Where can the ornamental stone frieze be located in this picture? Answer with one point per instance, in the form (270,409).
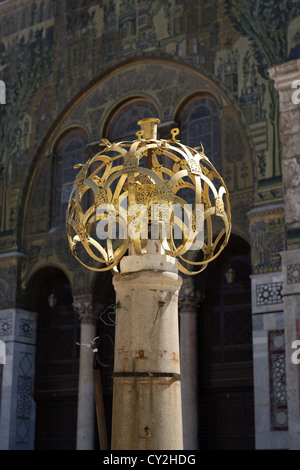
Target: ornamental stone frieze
(189,297)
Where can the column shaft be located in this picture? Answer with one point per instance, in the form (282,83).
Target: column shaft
(86,399)
(188,305)
(147,388)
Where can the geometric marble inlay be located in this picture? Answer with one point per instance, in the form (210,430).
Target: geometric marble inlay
(24,397)
(23,428)
(268,294)
(277,381)
(25,364)
(26,328)
(5,327)
(293,273)
(24,390)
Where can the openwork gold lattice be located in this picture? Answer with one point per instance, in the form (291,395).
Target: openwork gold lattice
(173,187)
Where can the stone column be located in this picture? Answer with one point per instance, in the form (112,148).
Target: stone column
(86,401)
(188,308)
(147,389)
(286,77)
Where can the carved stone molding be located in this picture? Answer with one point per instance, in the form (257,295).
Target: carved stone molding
(189,297)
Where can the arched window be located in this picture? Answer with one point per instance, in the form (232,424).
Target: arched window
(72,149)
(123,124)
(199,122)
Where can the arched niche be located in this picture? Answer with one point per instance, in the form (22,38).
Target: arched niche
(41,283)
(169,86)
(51,183)
(121,124)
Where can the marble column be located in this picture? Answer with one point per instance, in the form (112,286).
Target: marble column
(286,77)
(86,401)
(188,314)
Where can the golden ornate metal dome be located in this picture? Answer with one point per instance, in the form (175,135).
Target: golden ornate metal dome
(130,192)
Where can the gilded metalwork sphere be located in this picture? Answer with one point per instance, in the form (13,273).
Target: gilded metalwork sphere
(174,187)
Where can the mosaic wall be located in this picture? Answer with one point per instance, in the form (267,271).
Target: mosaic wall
(51,51)
(267,238)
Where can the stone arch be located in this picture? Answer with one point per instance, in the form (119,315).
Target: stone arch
(191,96)
(168,84)
(123,106)
(199,122)
(70,150)
(39,196)
(33,283)
(64,132)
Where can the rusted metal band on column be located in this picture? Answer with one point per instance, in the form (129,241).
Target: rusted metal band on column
(173,375)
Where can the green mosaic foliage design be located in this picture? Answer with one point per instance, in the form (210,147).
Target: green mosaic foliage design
(265,24)
(26,65)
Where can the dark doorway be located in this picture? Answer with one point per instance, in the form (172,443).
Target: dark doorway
(226,403)
(57,364)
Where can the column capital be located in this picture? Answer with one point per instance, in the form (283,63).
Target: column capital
(189,297)
(83,305)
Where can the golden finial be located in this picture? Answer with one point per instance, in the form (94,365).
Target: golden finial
(174,132)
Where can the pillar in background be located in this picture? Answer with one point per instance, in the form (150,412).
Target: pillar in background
(86,401)
(188,308)
(147,389)
(287,79)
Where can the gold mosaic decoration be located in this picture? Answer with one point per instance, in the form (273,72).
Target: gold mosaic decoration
(158,175)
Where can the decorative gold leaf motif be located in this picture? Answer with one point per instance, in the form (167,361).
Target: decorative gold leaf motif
(101,197)
(131,162)
(164,191)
